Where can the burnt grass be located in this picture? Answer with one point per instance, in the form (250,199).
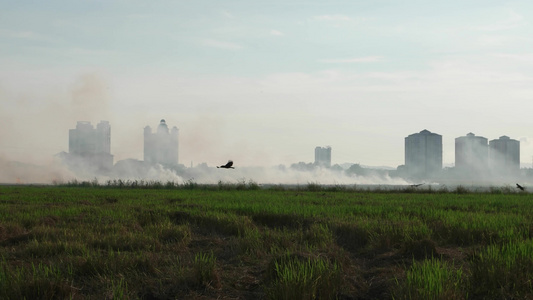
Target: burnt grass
(125,243)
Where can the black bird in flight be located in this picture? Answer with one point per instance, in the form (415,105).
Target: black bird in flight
(227,166)
(416,185)
(520,187)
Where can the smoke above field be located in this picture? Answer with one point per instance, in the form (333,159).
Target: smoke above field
(32,146)
(50,172)
(287,175)
(57,172)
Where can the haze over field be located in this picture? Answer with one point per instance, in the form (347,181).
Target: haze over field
(263,83)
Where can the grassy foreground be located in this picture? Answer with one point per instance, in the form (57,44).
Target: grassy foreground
(248,243)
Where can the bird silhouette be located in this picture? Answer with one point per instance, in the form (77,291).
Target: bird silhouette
(228,165)
(520,187)
(416,185)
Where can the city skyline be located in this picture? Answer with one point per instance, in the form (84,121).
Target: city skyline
(423,150)
(89,156)
(265,83)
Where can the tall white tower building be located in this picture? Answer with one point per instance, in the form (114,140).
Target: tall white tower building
(504,154)
(423,153)
(161,147)
(471,153)
(91,147)
(323,156)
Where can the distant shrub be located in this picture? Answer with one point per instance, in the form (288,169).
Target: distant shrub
(443,189)
(507,189)
(495,190)
(409,189)
(171,185)
(278,187)
(190,184)
(336,188)
(252,185)
(314,187)
(461,190)
(240,185)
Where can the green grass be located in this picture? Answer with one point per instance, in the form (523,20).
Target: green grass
(432,279)
(295,277)
(204,270)
(503,271)
(148,240)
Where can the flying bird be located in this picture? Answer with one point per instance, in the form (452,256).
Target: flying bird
(416,185)
(520,187)
(227,166)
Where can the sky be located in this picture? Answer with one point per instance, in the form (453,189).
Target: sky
(265,82)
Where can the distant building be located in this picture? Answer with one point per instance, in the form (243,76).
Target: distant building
(504,154)
(423,153)
(323,156)
(161,147)
(90,146)
(471,153)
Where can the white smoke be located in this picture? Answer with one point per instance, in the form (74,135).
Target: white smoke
(289,176)
(53,171)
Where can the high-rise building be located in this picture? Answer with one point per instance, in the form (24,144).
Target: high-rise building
(161,147)
(91,147)
(504,154)
(471,153)
(323,156)
(423,153)
(103,137)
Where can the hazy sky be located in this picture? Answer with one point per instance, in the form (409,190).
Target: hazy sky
(265,82)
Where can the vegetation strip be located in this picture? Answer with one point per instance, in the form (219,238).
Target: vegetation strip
(169,241)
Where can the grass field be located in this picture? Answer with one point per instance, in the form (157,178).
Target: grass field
(238,241)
